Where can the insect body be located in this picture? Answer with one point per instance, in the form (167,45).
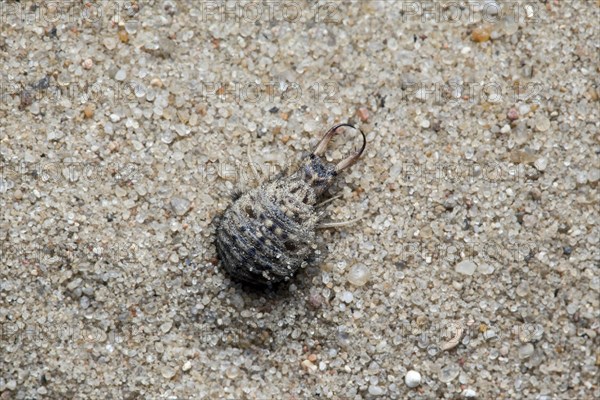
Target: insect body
(269,232)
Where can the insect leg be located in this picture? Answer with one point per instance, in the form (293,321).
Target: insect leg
(251,163)
(331,224)
(328,200)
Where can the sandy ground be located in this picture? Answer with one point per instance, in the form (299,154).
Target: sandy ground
(125,127)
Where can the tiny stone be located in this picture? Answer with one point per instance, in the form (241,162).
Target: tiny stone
(581,177)
(121,75)
(572,308)
(358,275)
(510,26)
(469,394)
(525,351)
(523,289)
(524,109)
(466,267)
(109,43)
(412,379)
(421,94)
(542,123)
(309,366)
(480,35)
(315,300)
(87,63)
(347,297)
(166,327)
(449,373)
(54,135)
(168,372)
(232,372)
(26,99)
(363,114)
(485,269)
(88,111)
(180,206)
(156,82)
(512,114)
(541,164)
(187,366)
(375,390)
(489,334)
(123,36)
(505,129)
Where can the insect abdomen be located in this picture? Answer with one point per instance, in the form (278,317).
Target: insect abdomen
(265,236)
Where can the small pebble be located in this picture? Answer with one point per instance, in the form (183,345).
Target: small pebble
(375,390)
(309,366)
(457,331)
(524,109)
(540,164)
(168,372)
(358,275)
(232,372)
(87,63)
(466,267)
(510,27)
(542,123)
(481,34)
(156,82)
(166,327)
(469,394)
(489,334)
(412,379)
(88,111)
(26,99)
(110,43)
(123,36)
(526,351)
(449,373)
(363,114)
(347,297)
(567,250)
(522,289)
(180,206)
(512,114)
(121,75)
(186,366)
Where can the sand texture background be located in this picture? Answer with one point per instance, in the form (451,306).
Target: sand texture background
(125,126)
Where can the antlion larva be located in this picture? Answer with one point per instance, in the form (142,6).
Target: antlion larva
(265,235)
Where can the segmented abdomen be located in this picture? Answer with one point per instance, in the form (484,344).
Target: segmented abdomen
(269,232)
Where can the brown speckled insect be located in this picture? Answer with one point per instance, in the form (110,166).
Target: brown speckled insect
(264,236)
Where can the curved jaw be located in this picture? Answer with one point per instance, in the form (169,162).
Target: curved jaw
(350,160)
